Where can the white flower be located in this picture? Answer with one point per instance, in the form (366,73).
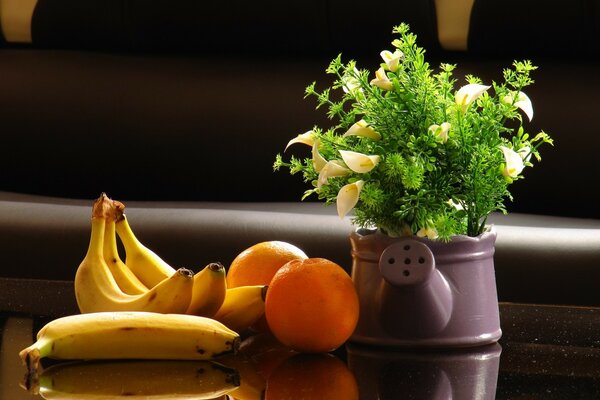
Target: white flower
(525,153)
(440,132)
(428,232)
(350,83)
(468,94)
(513,163)
(331,169)
(381,80)
(361,128)
(348,197)
(391,60)
(523,102)
(359,162)
(456,205)
(317,159)
(304,138)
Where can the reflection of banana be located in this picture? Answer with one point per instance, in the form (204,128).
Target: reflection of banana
(96,289)
(243,306)
(126,335)
(126,280)
(143,262)
(210,286)
(137,379)
(252,383)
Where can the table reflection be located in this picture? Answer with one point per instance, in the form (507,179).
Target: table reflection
(457,374)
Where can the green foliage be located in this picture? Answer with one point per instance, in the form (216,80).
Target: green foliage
(425,179)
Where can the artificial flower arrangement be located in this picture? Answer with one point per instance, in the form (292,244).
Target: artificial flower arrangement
(410,153)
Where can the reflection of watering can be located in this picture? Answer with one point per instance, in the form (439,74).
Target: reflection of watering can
(418,292)
(456,374)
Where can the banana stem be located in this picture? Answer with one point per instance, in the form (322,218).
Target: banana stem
(110,240)
(31,355)
(125,233)
(96,246)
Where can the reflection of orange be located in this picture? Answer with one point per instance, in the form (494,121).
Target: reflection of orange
(257,264)
(312,377)
(266,352)
(312,305)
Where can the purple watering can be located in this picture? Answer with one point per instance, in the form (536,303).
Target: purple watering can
(416,292)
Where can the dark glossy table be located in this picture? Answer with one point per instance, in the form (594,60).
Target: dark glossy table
(546,352)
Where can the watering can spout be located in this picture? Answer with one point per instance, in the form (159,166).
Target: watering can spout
(415,299)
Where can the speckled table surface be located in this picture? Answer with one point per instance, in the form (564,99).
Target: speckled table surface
(546,352)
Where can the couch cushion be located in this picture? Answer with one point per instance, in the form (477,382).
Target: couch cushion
(538,259)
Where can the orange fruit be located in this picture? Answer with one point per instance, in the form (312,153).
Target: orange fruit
(314,377)
(312,305)
(257,264)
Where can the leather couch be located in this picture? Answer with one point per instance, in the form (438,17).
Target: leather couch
(178,108)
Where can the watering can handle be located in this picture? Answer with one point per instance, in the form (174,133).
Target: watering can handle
(407,262)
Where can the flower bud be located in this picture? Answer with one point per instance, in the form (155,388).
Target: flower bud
(513,163)
(359,162)
(468,94)
(348,197)
(361,128)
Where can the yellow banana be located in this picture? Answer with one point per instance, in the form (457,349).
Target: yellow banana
(243,306)
(136,379)
(131,335)
(96,289)
(143,262)
(126,280)
(210,286)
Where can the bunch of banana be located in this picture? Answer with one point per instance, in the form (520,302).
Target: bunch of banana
(97,290)
(209,286)
(238,308)
(130,335)
(145,282)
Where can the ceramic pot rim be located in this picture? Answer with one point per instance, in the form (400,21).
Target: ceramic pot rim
(370,245)
(489,234)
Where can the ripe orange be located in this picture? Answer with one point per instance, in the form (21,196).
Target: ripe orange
(257,264)
(312,376)
(312,305)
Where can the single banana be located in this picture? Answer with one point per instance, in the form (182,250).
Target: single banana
(136,379)
(143,262)
(243,306)
(210,287)
(131,335)
(96,289)
(127,281)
